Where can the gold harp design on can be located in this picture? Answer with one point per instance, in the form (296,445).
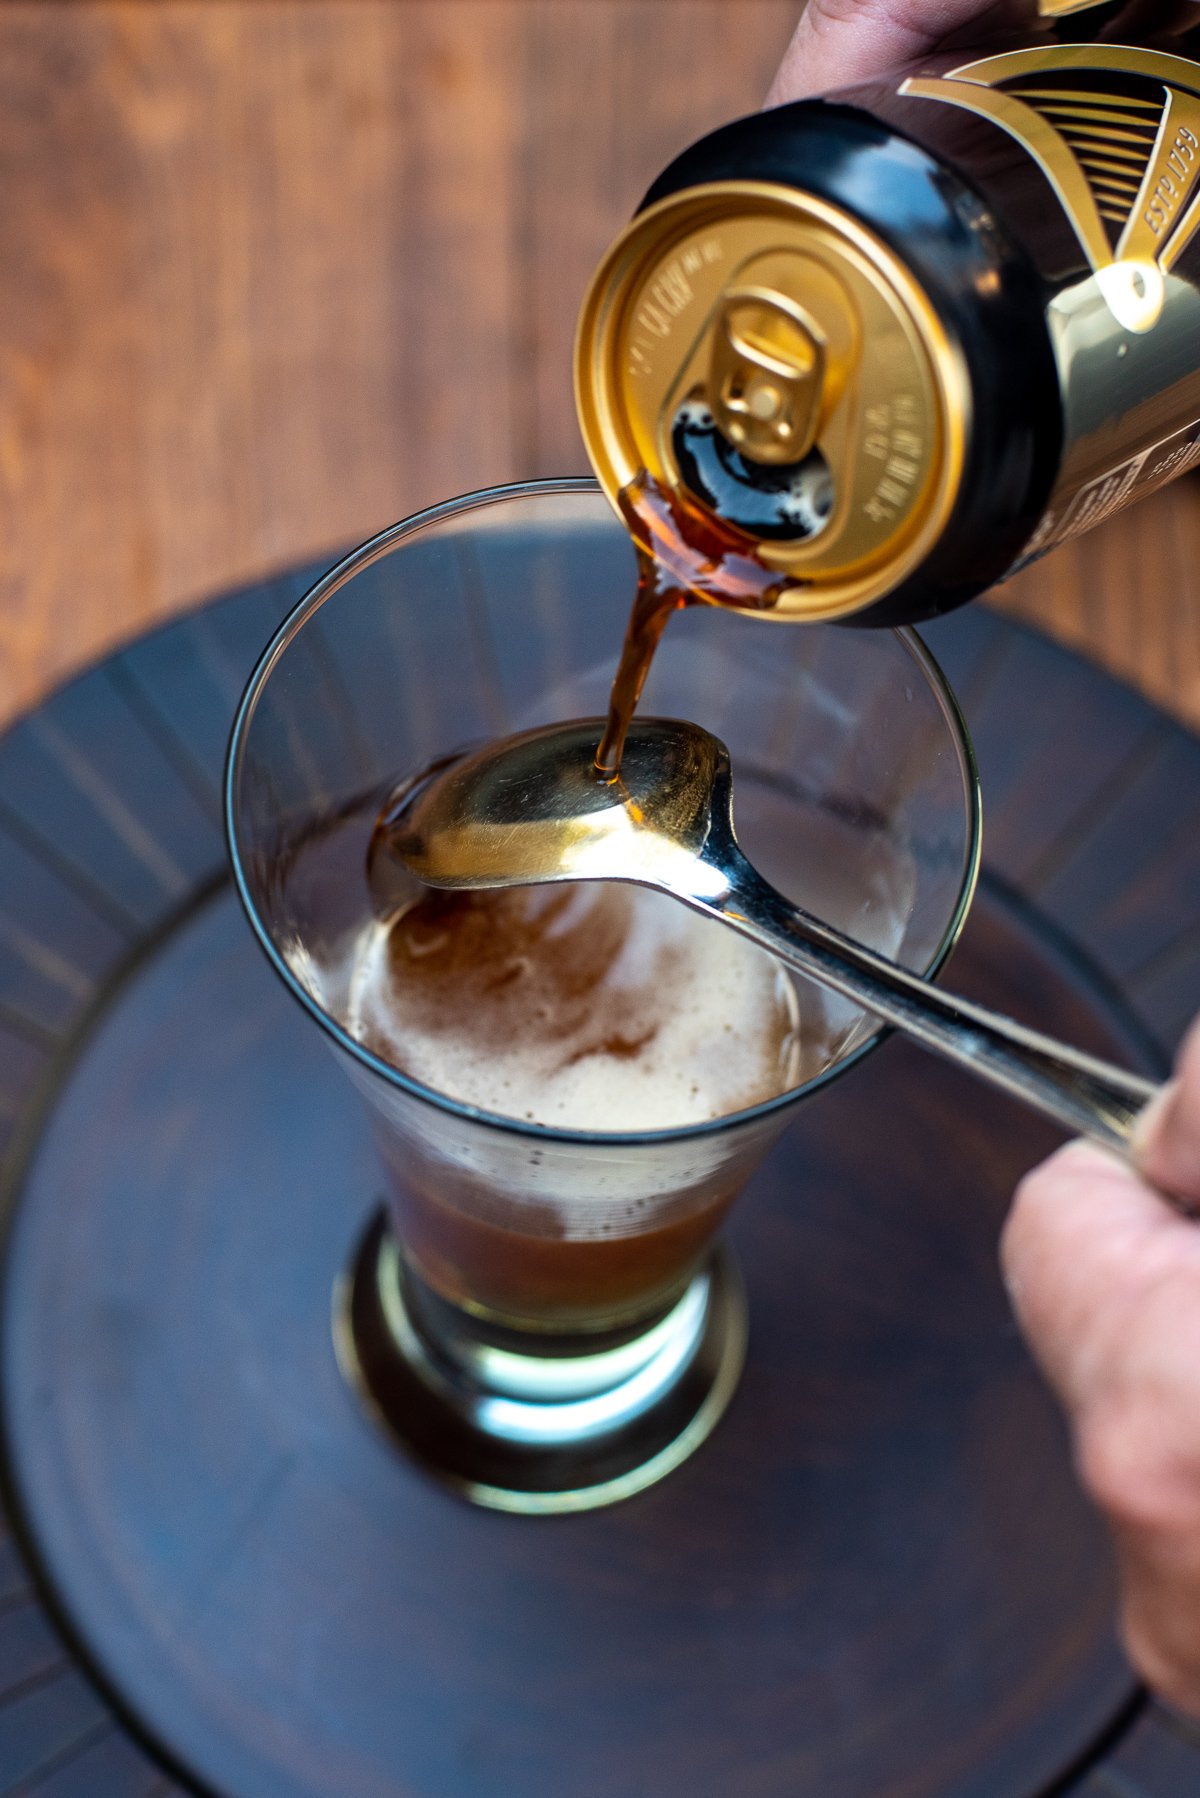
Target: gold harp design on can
(1116,131)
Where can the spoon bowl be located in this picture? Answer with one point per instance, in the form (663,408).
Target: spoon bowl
(532,808)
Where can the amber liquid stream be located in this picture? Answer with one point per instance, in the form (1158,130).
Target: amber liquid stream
(684,559)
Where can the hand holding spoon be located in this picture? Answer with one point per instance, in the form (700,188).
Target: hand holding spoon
(531,808)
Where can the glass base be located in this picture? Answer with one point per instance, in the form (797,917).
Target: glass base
(546,1430)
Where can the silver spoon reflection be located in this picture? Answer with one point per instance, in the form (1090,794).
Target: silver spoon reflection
(531,808)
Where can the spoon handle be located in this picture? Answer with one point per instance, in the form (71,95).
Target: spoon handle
(1087,1096)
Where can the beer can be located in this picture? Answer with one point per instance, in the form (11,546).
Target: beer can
(902,340)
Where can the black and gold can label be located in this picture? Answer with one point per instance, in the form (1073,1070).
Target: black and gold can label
(1115,130)
(899,341)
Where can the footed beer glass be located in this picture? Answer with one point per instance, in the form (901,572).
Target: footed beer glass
(545,1315)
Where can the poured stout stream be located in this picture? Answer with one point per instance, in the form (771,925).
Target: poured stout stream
(684,557)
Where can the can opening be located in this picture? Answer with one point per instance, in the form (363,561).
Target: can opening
(782,502)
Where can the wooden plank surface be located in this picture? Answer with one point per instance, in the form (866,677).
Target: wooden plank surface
(277,272)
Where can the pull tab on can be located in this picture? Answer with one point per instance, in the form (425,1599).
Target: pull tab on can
(767,375)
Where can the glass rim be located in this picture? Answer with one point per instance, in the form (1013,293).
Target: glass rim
(361,558)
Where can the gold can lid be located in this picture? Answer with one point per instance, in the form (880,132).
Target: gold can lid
(800,339)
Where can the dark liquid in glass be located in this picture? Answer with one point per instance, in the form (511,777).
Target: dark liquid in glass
(590,1007)
(600,1008)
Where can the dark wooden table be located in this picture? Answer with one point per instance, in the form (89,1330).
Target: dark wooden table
(109,831)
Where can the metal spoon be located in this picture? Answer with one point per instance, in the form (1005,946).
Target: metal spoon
(531,808)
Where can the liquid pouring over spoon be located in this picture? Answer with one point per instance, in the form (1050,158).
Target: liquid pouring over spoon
(531,808)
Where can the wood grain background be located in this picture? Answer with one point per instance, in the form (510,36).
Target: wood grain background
(276,272)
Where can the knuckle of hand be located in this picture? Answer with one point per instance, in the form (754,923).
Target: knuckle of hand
(1173,1676)
(1031,1232)
(1144,1476)
(1022,1216)
(824,15)
(821,16)
(1039,1190)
